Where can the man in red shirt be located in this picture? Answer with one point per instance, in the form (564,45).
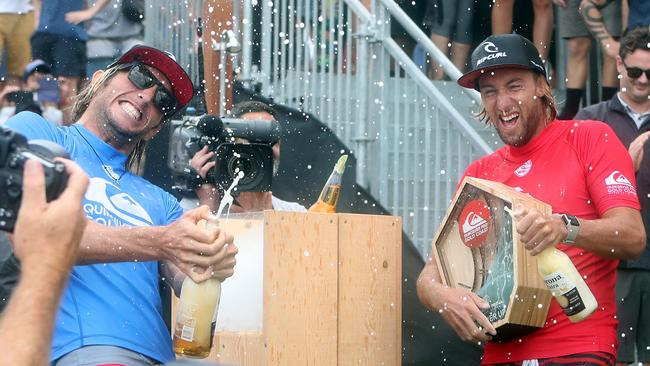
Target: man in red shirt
(579,168)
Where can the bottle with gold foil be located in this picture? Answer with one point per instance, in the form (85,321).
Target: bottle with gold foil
(197,315)
(329,196)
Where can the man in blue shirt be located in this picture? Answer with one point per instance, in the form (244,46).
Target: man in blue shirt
(111,310)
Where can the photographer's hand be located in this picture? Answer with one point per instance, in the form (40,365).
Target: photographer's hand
(60,222)
(207,193)
(46,240)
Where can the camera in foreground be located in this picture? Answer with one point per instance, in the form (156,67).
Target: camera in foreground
(14,151)
(240,146)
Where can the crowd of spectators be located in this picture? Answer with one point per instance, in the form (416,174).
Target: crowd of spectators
(52,47)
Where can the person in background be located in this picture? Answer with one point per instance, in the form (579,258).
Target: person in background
(110,33)
(62,45)
(38,79)
(542,24)
(628,113)
(111,310)
(573,28)
(17,21)
(576,167)
(208,194)
(46,240)
(638,15)
(452,20)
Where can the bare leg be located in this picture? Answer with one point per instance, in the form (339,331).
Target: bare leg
(502,16)
(459,54)
(443,45)
(610,74)
(543,26)
(578,62)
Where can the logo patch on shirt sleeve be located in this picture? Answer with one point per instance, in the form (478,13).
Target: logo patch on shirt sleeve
(617,183)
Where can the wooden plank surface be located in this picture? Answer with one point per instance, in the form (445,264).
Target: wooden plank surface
(370,290)
(300,289)
(239,348)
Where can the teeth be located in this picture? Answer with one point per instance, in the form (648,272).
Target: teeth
(509,117)
(130,110)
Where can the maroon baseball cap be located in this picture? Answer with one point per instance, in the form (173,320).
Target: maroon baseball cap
(164,62)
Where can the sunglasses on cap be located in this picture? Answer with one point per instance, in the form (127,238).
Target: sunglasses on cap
(163,99)
(635,72)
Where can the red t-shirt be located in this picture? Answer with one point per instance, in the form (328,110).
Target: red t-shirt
(579,168)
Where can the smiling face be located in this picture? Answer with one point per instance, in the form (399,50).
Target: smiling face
(512,99)
(122,114)
(635,92)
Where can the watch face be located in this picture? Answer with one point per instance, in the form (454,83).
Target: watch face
(573,221)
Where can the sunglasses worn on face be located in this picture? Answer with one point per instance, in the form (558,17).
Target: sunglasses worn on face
(143,79)
(635,72)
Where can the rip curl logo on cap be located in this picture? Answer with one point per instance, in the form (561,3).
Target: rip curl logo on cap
(490,47)
(524,169)
(493,51)
(474,223)
(617,183)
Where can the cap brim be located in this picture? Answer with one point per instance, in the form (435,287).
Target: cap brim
(469,80)
(181,83)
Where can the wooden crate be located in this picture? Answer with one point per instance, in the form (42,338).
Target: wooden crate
(329,291)
(477,248)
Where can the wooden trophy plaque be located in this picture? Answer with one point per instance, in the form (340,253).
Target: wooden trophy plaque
(477,248)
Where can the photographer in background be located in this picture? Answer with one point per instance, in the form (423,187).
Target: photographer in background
(46,254)
(111,311)
(208,194)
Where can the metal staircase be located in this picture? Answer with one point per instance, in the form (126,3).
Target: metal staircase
(335,59)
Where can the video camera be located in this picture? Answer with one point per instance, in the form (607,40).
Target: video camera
(14,151)
(254,158)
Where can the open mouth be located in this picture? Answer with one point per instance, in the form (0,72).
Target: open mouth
(509,120)
(131,110)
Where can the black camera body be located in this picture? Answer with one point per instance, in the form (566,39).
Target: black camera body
(253,158)
(14,151)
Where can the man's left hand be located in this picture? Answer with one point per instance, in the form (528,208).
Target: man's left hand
(537,230)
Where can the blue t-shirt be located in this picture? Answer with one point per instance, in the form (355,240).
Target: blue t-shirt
(109,303)
(52,19)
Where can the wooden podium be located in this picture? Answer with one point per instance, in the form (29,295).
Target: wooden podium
(311,289)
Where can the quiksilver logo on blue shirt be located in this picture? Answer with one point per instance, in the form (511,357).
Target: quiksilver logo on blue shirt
(107,204)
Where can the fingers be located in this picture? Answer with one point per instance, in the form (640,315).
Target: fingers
(33,187)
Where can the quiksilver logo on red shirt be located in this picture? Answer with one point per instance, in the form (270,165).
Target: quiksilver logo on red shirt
(617,183)
(474,223)
(524,169)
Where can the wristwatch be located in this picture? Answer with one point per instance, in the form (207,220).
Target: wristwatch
(572,225)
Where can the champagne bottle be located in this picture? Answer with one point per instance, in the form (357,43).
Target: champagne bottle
(567,286)
(329,196)
(197,315)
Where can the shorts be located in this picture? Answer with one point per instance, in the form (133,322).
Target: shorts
(571,24)
(633,313)
(15,30)
(67,56)
(104,355)
(582,359)
(456,21)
